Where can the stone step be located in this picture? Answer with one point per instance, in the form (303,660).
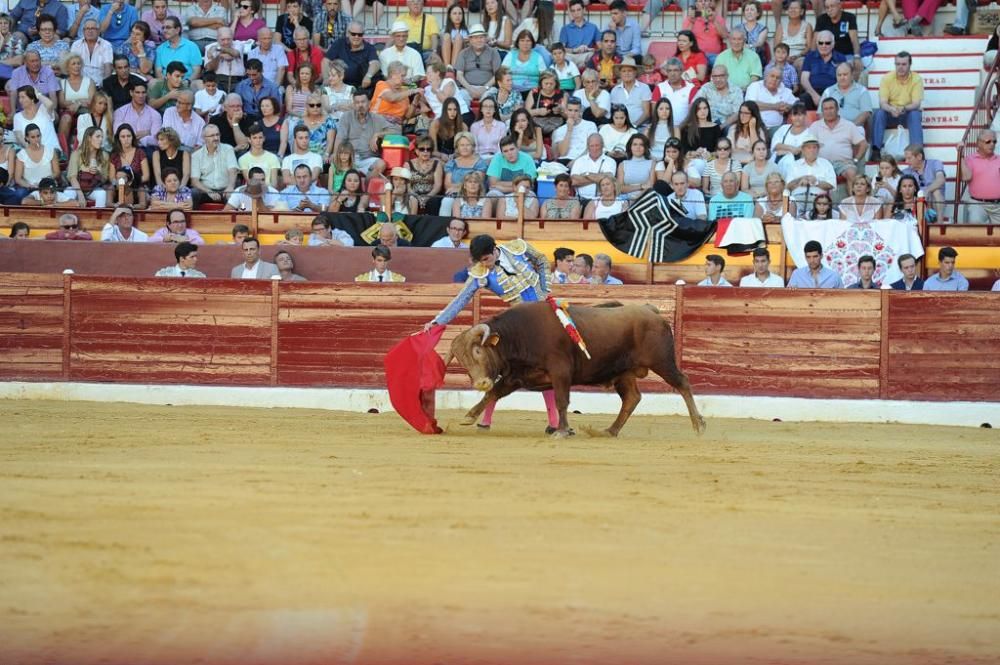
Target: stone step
(964,78)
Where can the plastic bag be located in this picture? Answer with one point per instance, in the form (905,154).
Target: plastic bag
(896,141)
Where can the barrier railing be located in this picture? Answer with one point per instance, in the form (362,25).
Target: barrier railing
(982,115)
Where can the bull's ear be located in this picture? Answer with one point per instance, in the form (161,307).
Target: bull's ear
(492,340)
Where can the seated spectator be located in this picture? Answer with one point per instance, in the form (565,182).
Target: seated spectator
(255,88)
(910,281)
(351,196)
(457,232)
(569,141)
(21,231)
(257,156)
(88,169)
(185,50)
(708,25)
(426,177)
(24,16)
(566,71)
(771,205)
(742,63)
(125,191)
(142,118)
(96,113)
(402,200)
(176,229)
(594,101)
(291,20)
(380,272)
(118,86)
(853,99)
(169,155)
(465,160)
(361,60)
(35,161)
(256,191)
(981,171)
(723,98)
(929,174)
(186,254)
(126,153)
(301,154)
(391,98)
(34,112)
(700,137)
(583,266)
(673,160)
(184,122)
(48,196)
(509,162)
(120,228)
(546,103)
(861,206)
(617,133)
(425,34)
(305,195)
(789,74)
(819,69)
(225,60)
(246,22)
(324,235)
(444,129)
(286,267)
(239,233)
(398,51)
(578,35)
(694,63)
(786,143)
(588,169)
(139,50)
(154,18)
(901,94)
(755,29)
(507,207)
(455,35)
(811,175)
(730,202)
(362,131)
(48,45)
(756,172)
(163,93)
(772,98)
(273,57)
(304,84)
(921,14)
(562,262)
(171,194)
(489,130)
(96,53)
(626,30)
(842,143)
(711,179)
(524,63)
(563,205)
(692,200)
(676,90)
(714,265)
(608,202)
(440,89)
(69,229)
(292,237)
(762,275)
(36,76)
(233,124)
(822,209)
(814,275)
(253,267)
(794,32)
(605,58)
(866,274)
(388,236)
(661,127)
(471,200)
(947,278)
(746,131)
(601,275)
(477,64)
(337,94)
(844,28)
(636,173)
(74,94)
(630,93)
(117,19)
(887,180)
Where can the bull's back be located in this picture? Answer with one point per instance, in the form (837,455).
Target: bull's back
(620,339)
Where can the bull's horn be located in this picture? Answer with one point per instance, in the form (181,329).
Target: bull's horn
(483,329)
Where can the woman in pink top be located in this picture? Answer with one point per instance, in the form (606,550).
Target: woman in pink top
(488,130)
(708,27)
(247,23)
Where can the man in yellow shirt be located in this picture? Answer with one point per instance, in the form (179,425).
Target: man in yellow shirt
(900,95)
(424,30)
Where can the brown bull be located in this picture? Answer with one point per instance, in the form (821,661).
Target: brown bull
(527,347)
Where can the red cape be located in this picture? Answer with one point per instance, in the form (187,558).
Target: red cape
(413,371)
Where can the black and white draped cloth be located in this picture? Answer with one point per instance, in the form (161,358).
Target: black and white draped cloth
(658,226)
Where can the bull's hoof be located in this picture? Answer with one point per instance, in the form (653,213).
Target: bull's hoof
(467,421)
(598,433)
(562,433)
(700,427)
(482,427)
(552,430)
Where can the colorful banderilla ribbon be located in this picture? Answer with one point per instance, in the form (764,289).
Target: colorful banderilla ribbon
(561,308)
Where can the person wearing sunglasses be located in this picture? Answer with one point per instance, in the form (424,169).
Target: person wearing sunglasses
(246,22)
(154,18)
(359,56)
(177,48)
(69,229)
(819,70)
(981,171)
(844,28)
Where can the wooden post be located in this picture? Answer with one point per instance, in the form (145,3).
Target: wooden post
(476,305)
(648,253)
(121,190)
(275,291)
(921,229)
(883,356)
(387,200)
(784,202)
(520,211)
(679,325)
(67,322)
(254,211)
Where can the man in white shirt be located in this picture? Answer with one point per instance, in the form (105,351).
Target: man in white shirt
(252,267)
(213,169)
(186,254)
(810,175)
(267,197)
(226,61)
(305,195)
(676,89)
(601,274)
(324,235)
(570,139)
(183,120)
(120,227)
(588,169)
(273,58)
(842,143)
(632,94)
(772,97)
(762,275)
(693,200)
(714,265)
(398,51)
(301,154)
(457,230)
(97,52)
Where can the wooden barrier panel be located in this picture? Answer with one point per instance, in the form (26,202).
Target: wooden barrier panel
(170,331)
(31,327)
(943,347)
(782,342)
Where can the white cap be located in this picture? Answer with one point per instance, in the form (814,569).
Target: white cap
(400,26)
(808,137)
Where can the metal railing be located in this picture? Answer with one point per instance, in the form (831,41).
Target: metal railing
(982,115)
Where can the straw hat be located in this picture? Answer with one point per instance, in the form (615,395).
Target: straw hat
(400,26)
(477,29)
(627,61)
(401,172)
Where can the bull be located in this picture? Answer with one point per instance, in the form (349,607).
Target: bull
(527,347)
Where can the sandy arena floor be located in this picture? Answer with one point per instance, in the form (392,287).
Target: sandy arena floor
(131,534)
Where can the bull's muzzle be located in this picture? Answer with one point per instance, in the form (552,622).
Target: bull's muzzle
(483,385)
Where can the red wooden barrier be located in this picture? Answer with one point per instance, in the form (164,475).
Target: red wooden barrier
(850,344)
